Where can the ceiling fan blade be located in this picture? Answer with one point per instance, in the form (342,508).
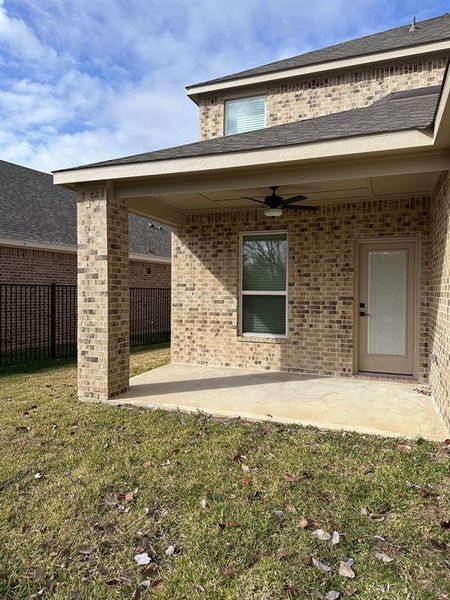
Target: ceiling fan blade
(296,198)
(310,208)
(253,200)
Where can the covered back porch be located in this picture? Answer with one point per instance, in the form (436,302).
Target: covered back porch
(387,188)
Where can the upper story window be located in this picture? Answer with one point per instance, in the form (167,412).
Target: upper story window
(245,114)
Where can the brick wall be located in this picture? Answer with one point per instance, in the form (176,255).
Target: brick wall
(26,265)
(440,296)
(312,97)
(321,285)
(102,294)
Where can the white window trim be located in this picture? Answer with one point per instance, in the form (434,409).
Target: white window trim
(237,99)
(243,293)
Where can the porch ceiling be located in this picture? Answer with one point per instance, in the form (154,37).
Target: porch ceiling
(169,201)
(319,192)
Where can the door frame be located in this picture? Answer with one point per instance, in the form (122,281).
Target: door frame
(416,299)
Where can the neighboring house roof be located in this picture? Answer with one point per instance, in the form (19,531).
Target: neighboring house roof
(398,111)
(35,210)
(431,30)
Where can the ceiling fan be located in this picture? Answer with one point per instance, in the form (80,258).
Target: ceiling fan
(276,205)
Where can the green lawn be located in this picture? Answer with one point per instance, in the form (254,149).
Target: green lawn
(224,509)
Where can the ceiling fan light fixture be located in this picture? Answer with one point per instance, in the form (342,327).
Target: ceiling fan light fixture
(273,212)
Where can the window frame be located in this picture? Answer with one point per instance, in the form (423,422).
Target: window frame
(243,293)
(227,101)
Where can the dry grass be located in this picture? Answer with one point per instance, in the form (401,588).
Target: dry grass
(73,533)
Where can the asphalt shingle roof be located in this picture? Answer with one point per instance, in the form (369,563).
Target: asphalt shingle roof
(33,209)
(399,111)
(431,30)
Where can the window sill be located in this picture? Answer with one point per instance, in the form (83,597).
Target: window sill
(262,339)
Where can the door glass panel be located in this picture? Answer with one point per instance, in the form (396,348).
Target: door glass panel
(387,301)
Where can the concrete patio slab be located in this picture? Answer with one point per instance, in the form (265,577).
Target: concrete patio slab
(367,406)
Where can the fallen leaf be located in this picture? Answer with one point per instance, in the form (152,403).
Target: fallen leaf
(351,592)
(320,565)
(23,429)
(136,594)
(113,581)
(170,551)
(345,569)
(280,554)
(278,514)
(149,569)
(253,559)
(234,525)
(142,559)
(229,570)
(84,550)
(38,475)
(130,496)
(384,557)
(157,583)
(38,573)
(335,538)
(322,535)
(303,523)
(406,448)
(111,501)
(292,591)
(76,595)
(290,477)
(332,595)
(203,503)
(290,508)
(445,524)
(307,559)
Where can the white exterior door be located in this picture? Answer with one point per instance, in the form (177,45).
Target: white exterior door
(387,307)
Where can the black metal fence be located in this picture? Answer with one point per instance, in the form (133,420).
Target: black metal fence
(40,321)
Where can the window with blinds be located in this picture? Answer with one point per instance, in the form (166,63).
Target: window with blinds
(264,284)
(245,114)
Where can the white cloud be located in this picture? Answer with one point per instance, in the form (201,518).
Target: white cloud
(85,81)
(20,39)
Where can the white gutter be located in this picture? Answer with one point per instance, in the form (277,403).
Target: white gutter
(13,243)
(319,68)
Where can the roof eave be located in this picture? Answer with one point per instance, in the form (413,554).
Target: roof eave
(196,91)
(369,144)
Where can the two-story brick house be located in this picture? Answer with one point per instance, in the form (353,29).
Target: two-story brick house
(343,267)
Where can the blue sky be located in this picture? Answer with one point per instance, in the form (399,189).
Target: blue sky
(87,80)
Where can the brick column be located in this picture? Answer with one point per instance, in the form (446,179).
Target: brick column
(103,294)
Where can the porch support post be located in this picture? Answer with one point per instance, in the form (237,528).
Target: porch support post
(103,294)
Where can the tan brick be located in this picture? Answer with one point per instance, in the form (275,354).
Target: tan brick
(305,98)
(322,248)
(439,305)
(103,294)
